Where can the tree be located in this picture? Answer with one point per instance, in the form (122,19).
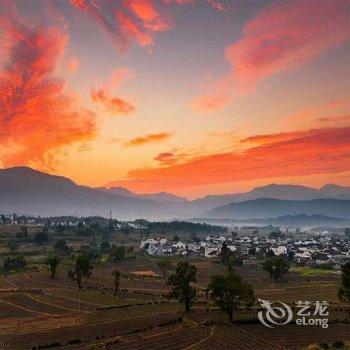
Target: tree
(277,267)
(180,282)
(347,232)
(61,246)
(230,292)
(224,253)
(117,253)
(276,234)
(117,275)
(105,246)
(252,250)
(270,253)
(344,290)
(53,262)
(15,263)
(164,265)
(82,269)
(231,263)
(41,237)
(176,239)
(13,246)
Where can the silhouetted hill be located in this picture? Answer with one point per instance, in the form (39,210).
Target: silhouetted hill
(159,196)
(27,191)
(287,192)
(270,208)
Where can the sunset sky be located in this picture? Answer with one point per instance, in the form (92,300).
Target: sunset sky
(187,96)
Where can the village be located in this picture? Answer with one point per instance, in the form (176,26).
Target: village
(317,250)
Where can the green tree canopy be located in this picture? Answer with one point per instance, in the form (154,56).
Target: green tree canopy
(164,265)
(347,232)
(53,261)
(16,263)
(41,237)
(12,245)
(344,290)
(82,269)
(117,253)
(61,247)
(224,254)
(230,292)
(277,267)
(180,282)
(116,281)
(105,246)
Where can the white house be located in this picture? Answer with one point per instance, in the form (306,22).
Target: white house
(212,251)
(279,250)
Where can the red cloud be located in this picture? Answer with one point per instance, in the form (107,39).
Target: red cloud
(37,115)
(307,152)
(150,138)
(113,105)
(147,12)
(125,21)
(283,36)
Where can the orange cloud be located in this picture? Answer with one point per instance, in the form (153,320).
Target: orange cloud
(278,137)
(146,11)
(125,21)
(128,21)
(308,152)
(37,115)
(283,36)
(131,30)
(150,138)
(73,64)
(166,158)
(113,105)
(339,120)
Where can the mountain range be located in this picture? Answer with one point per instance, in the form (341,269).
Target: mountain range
(27,191)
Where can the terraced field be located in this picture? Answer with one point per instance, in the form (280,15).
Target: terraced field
(141,317)
(228,337)
(179,338)
(10,310)
(295,337)
(86,333)
(31,303)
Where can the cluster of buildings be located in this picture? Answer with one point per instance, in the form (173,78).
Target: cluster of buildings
(317,250)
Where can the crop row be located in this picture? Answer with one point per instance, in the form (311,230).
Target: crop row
(85,333)
(170,339)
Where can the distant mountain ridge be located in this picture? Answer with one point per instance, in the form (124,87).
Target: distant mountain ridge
(27,191)
(159,196)
(270,208)
(274,191)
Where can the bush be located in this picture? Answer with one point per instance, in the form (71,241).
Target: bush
(324,345)
(14,263)
(338,344)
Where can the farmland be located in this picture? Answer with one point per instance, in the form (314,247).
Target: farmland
(141,316)
(38,310)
